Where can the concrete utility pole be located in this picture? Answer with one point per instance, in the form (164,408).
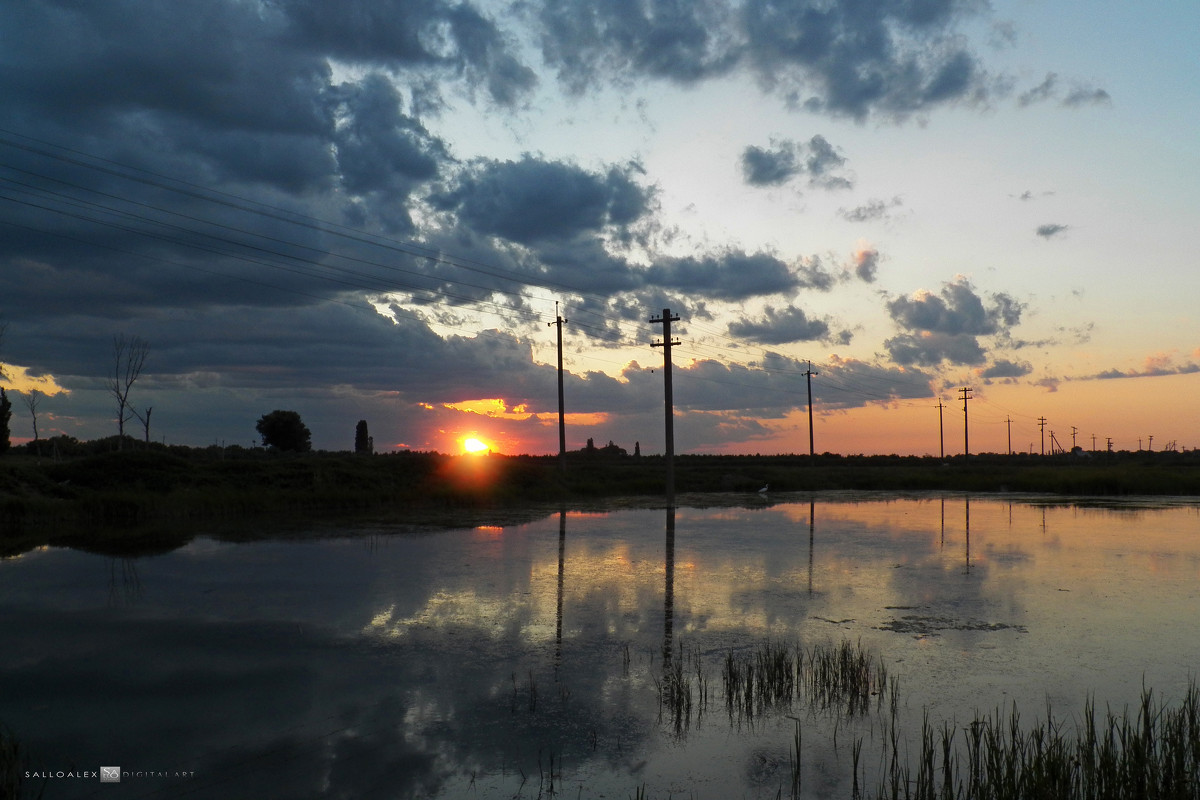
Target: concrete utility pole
(665,320)
(562,420)
(964,394)
(809,375)
(941,431)
(1042,425)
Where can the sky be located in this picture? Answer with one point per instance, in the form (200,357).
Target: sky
(376,209)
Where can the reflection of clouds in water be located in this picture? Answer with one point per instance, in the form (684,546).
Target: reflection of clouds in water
(325,669)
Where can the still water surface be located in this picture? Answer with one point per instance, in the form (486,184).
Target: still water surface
(527,660)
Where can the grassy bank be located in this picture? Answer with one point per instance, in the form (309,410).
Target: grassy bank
(122,489)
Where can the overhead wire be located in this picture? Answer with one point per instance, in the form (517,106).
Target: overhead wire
(605,328)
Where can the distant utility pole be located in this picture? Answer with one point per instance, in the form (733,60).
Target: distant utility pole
(1009,421)
(1073,431)
(941,431)
(965,395)
(665,320)
(1093,442)
(809,375)
(1109,439)
(1150,444)
(562,421)
(1042,425)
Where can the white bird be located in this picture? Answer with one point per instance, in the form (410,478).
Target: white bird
(764,489)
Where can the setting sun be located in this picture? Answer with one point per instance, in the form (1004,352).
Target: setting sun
(473,445)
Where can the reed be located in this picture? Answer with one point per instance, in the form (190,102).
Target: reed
(1153,753)
(843,678)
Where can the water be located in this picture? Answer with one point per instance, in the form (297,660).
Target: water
(527,660)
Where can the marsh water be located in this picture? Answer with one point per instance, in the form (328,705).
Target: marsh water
(529,660)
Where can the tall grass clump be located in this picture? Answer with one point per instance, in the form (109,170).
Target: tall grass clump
(1153,754)
(842,677)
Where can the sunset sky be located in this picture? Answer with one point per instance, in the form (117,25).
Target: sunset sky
(369,209)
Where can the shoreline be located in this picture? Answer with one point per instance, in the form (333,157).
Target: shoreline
(135,498)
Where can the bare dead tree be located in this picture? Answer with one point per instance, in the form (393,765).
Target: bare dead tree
(129,357)
(32,399)
(145,420)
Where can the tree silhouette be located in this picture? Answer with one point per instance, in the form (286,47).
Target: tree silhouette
(362,441)
(129,356)
(284,430)
(32,399)
(5,416)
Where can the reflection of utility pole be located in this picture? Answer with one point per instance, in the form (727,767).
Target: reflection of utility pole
(964,394)
(812,525)
(562,422)
(941,432)
(562,552)
(669,593)
(1042,425)
(665,320)
(809,375)
(967,524)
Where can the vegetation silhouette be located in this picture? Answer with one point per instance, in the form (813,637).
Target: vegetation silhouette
(284,430)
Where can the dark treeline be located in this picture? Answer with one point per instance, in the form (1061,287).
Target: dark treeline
(69,482)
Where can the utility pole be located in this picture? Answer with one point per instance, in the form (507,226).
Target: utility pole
(1042,425)
(1093,442)
(809,375)
(941,433)
(669,403)
(1073,431)
(562,420)
(1150,444)
(965,395)
(1009,421)
(1109,439)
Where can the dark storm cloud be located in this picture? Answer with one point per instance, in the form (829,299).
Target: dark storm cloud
(1050,230)
(534,200)
(855,58)
(780,326)
(866,264)
(772,167)
(930,349)
(683,41)
(871,210)
(948,326)
(419,33)
(734,275)
(1003,368)
(1078,94)
(847,58)
(786,159)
